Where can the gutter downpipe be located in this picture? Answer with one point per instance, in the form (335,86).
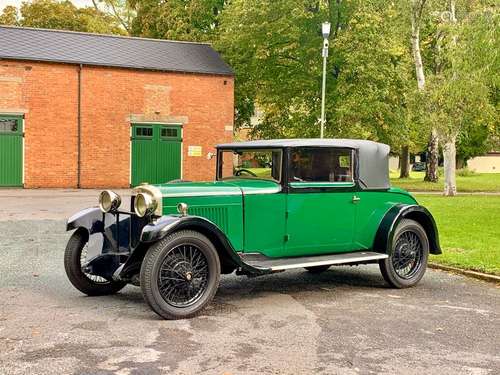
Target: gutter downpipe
(79,126)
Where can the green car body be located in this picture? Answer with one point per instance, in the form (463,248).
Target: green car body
(303,223)
(274,205)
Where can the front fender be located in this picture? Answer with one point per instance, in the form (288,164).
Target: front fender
(108,239)
(91,219)
(387,227)
(168,224)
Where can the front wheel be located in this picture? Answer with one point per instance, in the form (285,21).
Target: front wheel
(180,275)
(75,258)
(410,251)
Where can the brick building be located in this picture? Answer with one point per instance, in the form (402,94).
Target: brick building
(87,110)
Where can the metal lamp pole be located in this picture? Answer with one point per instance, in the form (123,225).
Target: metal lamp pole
(325,30)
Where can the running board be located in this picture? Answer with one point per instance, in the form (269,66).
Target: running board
(262,262)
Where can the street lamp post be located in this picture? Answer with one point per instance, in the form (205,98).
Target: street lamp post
(325,30)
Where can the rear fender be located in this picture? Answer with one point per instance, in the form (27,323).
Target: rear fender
(387,227)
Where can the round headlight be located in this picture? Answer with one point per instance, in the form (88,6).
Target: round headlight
(109,201)
(144,204)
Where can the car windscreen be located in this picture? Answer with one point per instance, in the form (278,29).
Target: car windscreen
(250,163)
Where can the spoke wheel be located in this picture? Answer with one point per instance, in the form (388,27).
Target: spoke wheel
(75,260)
(183,276)
(83,261)
(408,254)
(180,274)
(408,261)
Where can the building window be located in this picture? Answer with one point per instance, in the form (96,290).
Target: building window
(144,132)
(169,133)
(8,126)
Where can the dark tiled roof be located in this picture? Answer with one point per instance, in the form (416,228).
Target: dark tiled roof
(107,50)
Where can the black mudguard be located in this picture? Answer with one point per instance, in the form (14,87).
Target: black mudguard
(108,239)
(118,246)
(387,227)
(228,256)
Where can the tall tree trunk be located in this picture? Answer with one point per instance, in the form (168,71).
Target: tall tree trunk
(404,162)
(416,14)
(450,150)
(431,166)
(450,154)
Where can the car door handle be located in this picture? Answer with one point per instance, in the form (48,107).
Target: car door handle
(355,199)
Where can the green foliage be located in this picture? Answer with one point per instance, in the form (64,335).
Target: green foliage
(121,10)
(275,49)
(459,95)
(193,20)
(465,172)
(51,14)
(9,16)
(375,85)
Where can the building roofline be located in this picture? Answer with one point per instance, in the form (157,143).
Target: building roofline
(78,48)
(102,35)
(122,66)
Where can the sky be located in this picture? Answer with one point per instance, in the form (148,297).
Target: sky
(78,3)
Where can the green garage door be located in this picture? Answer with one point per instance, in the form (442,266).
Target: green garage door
(156,153)
(11,151)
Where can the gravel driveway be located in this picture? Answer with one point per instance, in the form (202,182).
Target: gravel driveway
(344,321)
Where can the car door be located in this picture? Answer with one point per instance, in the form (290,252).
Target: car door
(321,201)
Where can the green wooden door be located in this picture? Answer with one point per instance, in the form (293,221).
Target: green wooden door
(11,151)
(156,153)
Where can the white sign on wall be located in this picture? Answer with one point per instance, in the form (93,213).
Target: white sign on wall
(194,150)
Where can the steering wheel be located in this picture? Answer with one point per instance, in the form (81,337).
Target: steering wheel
(240,171)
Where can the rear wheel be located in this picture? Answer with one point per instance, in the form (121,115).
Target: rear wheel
(410,251)
(75,258)
(317,269)
(180,275)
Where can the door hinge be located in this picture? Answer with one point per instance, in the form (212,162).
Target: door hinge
(287,214)
(286,238)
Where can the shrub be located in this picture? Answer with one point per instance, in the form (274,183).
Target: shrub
(465,172)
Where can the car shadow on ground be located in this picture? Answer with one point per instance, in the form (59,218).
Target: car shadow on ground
(234,290)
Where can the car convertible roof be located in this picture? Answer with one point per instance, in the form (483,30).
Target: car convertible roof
(373,165)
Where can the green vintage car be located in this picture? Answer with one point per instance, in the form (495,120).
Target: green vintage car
(274,205)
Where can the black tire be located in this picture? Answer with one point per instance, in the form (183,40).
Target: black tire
(87,284)
(317,269)
(171,263)
(410,252)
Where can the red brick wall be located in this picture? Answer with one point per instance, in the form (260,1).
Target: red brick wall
(111,99)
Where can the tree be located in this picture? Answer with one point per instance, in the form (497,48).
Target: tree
(460,95)
(274,47)
(51,14)
(9,16)
(121,10)
(193,20)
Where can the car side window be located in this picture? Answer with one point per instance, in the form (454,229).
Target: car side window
(321,164)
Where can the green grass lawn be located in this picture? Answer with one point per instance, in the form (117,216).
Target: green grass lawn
(483,182)
(469,230)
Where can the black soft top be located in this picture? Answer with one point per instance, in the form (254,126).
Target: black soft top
(373,166)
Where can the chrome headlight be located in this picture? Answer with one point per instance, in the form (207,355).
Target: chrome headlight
(182,208)
(109,201)
(144,204)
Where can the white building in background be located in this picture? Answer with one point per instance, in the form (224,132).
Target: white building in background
(489,163)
